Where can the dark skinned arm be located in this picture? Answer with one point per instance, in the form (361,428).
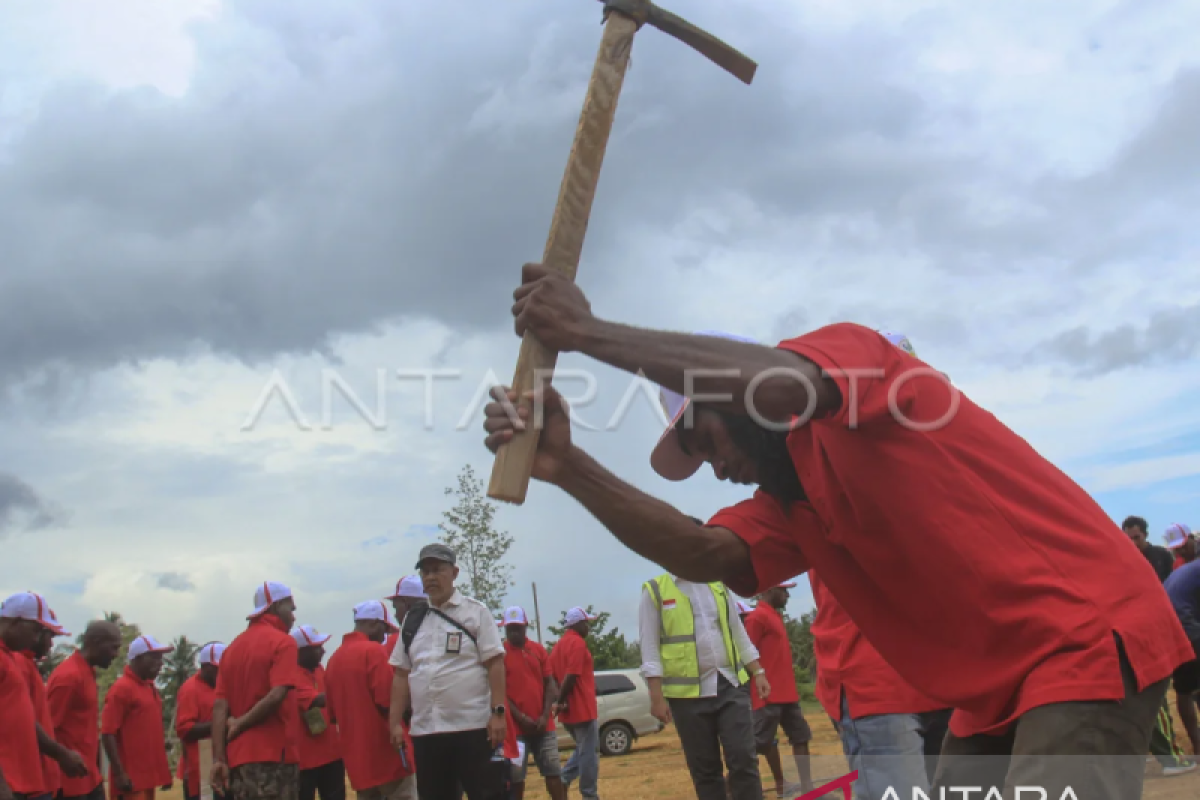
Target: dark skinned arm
(568,685)
(725,368)
(6,793)
(68,760)
(261,711)
(555,309)
(201,730)
(550,697)
(114,759)
(656,530)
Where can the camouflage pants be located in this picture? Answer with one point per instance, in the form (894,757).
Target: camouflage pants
(267,781)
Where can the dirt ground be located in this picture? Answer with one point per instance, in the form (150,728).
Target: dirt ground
(655,770)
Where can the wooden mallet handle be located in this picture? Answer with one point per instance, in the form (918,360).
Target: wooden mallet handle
(514,461)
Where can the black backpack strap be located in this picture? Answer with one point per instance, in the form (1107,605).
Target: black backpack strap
(412,623)
(415,617)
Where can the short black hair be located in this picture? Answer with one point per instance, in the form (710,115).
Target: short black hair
(1135,522)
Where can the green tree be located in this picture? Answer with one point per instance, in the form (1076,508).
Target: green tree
(609,649)
(804,661)
(469,529)
(178,666)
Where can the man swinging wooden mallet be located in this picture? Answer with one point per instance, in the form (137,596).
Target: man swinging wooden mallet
(622,19)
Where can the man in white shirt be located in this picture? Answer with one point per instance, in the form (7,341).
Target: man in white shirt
(449,662)
(695,657)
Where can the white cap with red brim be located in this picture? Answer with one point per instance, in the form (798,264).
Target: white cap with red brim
(668,459)
(211,653)
(408,586)
(375,610)
(33,607)
(514,615)
(267,595)
(1176,535)
(146,644)
(788,585)
(577,615)
(308,636)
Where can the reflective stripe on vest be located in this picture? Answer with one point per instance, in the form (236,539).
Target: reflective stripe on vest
(682,645)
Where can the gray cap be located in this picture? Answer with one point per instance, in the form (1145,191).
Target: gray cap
(439,551)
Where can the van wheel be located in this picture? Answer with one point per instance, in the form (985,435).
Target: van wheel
(616,739)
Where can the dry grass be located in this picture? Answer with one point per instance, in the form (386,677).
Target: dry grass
(655,770)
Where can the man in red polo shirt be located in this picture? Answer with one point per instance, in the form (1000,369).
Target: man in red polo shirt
(359,686)
(891,733)
(51,772)
(131,726)
(25,621)
(984,575)
(254,755)
(409,594)
(532,692)
(320,751)
(193,716)
(764,626)
(571,665)
(74,706)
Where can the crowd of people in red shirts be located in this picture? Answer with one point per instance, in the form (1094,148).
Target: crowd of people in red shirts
(264,719)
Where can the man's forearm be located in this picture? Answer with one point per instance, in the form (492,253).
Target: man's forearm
(710,365)
(263,709)
(201,730)
(399,698)
(655,687)
(110,749)
(568,686)
(219,727)
(550,696)
(48,746)
(656,530)
(495,672)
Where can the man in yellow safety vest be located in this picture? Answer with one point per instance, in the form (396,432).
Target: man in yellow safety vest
(695,657)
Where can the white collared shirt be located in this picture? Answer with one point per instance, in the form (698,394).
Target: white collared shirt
(710,645)
(449,691)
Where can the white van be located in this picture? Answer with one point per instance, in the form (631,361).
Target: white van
(623,712)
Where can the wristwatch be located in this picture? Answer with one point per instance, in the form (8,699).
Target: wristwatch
(498,711)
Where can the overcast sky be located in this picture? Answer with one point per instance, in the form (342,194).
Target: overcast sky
(200,197)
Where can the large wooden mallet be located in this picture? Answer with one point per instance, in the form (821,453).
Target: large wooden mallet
(535,364)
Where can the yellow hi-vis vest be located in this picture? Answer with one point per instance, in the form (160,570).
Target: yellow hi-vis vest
(677,637)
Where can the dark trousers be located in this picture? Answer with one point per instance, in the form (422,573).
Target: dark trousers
(1097,749)
(328,779)
(449,764)
(1162,739)
(94,794)
(706,725)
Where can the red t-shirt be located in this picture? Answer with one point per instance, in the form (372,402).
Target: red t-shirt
(315,751)
(20,757)
(193,706)
(984,575)
(261,658)
(133,714)
(525,671)
(358,694)
(572,657)
(847,662)
(51,774)
(766,630)
(75,710)
(389,644)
